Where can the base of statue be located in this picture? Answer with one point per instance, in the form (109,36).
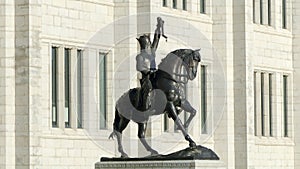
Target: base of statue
(179,164)
(193,158)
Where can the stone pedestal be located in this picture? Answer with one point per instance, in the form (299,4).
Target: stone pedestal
(179,164)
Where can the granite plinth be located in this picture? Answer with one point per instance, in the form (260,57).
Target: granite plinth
(189,158)
(181,164)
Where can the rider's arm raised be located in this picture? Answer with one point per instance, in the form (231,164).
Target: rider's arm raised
(157,34)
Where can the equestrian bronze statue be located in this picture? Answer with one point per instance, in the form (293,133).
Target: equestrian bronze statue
(161,90)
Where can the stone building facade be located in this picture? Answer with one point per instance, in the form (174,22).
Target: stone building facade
(64,63)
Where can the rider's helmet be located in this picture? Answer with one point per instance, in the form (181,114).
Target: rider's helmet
(144,41)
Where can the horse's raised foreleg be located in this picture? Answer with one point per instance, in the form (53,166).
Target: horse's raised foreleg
(186,106)
(141,135)
(172,112)
(120,123)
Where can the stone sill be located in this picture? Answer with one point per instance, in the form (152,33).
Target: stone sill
(272,141)
(184,164)
(272,31)
(187,15)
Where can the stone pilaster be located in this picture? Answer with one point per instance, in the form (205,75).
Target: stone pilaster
(22,84)
(7,84)
(243,81)
(28,84)
(296,89)
(222,42)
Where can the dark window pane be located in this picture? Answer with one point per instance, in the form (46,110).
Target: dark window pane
(255,103)
(203,100)
(253,11)
(262,104)
(67,87)
(102,87)
(54,85)
(165,3)
(202,6)
(270,103)
(79,89)
(184,5)
(175,4)
(284,14)
(261,11)
(166,122)
(285,105)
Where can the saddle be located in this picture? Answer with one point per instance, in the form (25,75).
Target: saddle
(137,99)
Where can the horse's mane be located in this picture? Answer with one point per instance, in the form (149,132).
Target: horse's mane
(181,53)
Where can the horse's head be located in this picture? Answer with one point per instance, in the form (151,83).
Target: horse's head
(191,60)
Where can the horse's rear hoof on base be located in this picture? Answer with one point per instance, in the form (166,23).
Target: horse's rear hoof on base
(154,153)
(124,155)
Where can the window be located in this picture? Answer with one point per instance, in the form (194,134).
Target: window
(253,11)
(269,12)
(67,86)
(202,7)
(165,3)
(262,100)
(203,100)
(175,4)
(264,91)
(261,11)
(102,90)
(54,85)
(184,5)
(79,89)
(270,104)
(285,105)
(284,14)
(185,113)
(255,102)
(166,123)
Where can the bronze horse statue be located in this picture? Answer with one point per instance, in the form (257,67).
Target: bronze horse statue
(174,71)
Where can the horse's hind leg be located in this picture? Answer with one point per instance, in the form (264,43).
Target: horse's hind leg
(119,126)
(186,106)
(141,135)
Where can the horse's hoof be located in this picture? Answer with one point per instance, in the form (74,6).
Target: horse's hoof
(193,145)
(124,155)
(154,153)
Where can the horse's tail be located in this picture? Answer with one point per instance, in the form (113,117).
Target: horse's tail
(116,122)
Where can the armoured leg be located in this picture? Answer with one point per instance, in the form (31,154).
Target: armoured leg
(141,135)
(145,92)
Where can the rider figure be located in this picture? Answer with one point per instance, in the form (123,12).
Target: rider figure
(146,62)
